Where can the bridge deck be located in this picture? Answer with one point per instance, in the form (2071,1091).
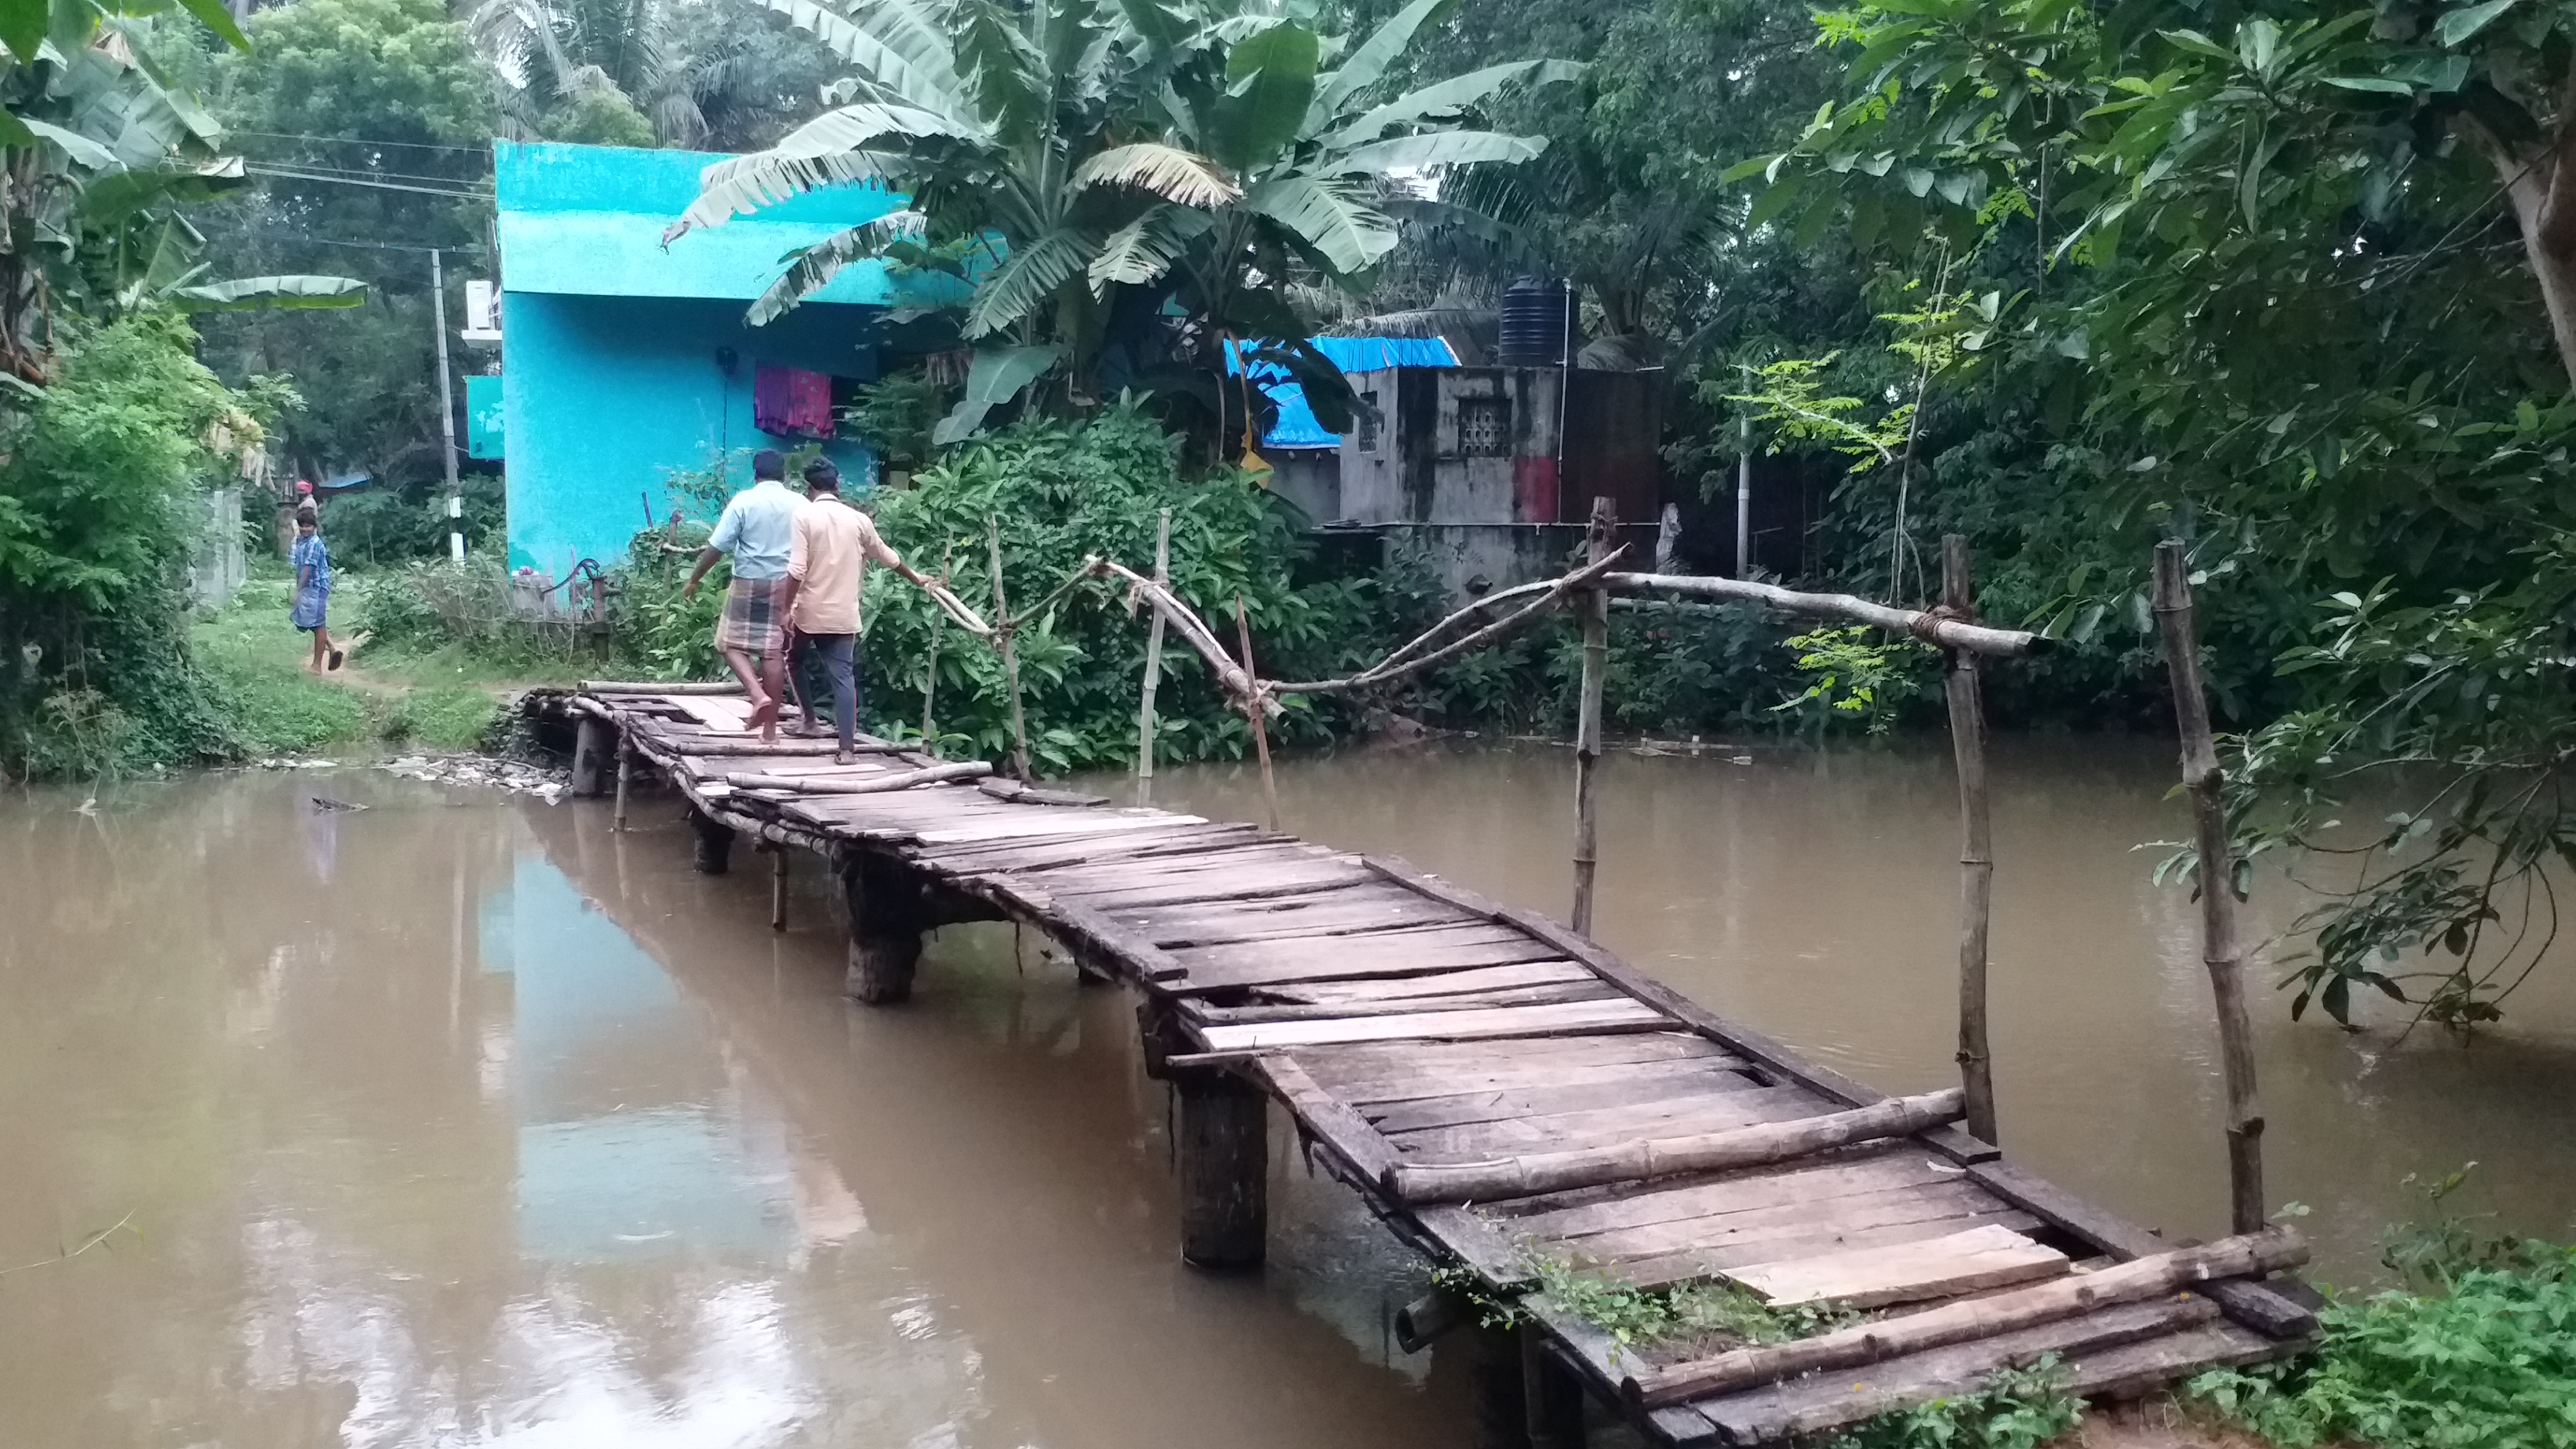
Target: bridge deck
(1405,1023)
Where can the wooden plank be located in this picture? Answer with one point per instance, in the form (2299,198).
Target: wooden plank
(1033,823)
(2264,1309)
(1331,1122)
(1714,1261)
(1750,1190)
(1463,982)
(2130,1370)
(1964,1320)
(1243,852)
(720,714)
(1253,883)
(1585,990)
(1382,1074)
(1987,1257)
(1175,840)
(1584,1016)
(1567,1090)
(1849,1213)
(1831,1401)
(1743,1040)
(1669,1153)
(1378,955)
(1721,1111)
(1471,1238)
(1332,913)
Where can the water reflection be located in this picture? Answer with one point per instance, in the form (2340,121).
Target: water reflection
(456,1120)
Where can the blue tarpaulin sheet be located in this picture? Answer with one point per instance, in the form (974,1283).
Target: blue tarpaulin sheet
(1296,426)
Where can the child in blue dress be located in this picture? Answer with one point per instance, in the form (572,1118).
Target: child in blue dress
(312,611)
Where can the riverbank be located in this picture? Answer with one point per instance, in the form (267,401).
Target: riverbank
(383,696)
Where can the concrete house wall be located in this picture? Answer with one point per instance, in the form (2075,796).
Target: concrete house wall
(1494,510)
(625,362)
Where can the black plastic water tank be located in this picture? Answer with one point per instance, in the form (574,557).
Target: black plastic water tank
(1537,313)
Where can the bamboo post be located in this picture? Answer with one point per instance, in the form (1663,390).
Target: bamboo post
(777,886)
(1253,710)
(1597,543)
(1002,629)
(1976,844)
(625,772)
(1153,665)
(938,617)
(2222,950)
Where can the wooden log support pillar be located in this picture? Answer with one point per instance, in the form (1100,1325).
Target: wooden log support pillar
(1225,1169)
(1153,665)
(1003,624)
(1256,709)
(1551,1396)
(887,919)
(591,742)
(777,886)
(2222,948)
(1599,539)
(715,844)
(625,775)
(1976,844)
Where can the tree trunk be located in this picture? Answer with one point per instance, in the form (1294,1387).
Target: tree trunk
(2222,948)
(2541,186)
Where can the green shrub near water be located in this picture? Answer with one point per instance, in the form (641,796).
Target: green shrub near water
(98,486)
(2484,1360)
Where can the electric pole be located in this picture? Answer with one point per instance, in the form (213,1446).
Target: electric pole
(447,415)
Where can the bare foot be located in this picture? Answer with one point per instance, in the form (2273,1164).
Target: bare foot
(844,757)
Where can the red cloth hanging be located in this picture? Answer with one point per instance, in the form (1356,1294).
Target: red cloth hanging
(790,402)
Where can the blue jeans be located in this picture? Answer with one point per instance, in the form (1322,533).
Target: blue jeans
(839,653)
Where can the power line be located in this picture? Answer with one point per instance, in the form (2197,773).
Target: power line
(367,172)
(332,241)
(356,181)
(484,147)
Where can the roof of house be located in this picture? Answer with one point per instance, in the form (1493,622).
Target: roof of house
(588,221)
(1296,425)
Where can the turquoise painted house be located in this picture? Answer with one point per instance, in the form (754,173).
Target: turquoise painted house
(625,362)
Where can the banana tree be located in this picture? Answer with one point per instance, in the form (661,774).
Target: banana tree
(1136,185)
(99,148)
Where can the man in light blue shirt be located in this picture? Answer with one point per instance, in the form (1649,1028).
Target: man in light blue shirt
(758,527)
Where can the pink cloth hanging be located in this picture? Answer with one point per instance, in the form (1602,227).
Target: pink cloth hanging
(790,402)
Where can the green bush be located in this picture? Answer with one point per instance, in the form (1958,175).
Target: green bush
(2485,1360)
(1062,493)
(98,513)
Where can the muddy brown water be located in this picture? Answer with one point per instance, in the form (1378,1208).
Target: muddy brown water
(461,1120)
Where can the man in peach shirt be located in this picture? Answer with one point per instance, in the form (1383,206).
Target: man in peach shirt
(827,561)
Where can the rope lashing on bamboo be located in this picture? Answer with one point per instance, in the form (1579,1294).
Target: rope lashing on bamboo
(1926,626)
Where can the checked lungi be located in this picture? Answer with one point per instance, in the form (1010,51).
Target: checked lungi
(751,621)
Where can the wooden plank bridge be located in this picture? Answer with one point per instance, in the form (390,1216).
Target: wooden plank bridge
(1499,1090)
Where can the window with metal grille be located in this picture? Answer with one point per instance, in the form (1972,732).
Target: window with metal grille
(1484,426)
(1368,422)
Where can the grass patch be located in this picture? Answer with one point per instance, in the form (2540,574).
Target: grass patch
(444,717)
(254,663)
